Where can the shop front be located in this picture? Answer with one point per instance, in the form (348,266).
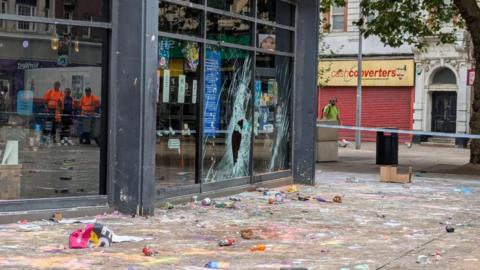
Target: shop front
(387,94)
(124,104)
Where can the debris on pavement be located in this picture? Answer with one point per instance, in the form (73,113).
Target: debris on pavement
(337,199)
(260,247)
(320,199)
(56,217)
(464,190)
(168,206)
(247,234)
(148,251)
(422,259)
(217,265)
(226,242)
(450,229)
(206,202)
(98,235)
(292,189)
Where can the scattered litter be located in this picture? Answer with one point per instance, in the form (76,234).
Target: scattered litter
(422,259)
(450,229)
(217,265)
(92,236)
(320,199)
(128,238)
(65,178)
(464,190)
(235,199)
(194,198)
(381,215)
(389,174)
(56,217)
(352,179)
(226,242)
(224,204)
(247,234)
(29,227)
(206,202)
(98,235)
(337,199)
(148,251)
(303,198)
(361,267)
(256,248)
(76,221)
(168,206)
(292,189)
(262,189)
(270,201)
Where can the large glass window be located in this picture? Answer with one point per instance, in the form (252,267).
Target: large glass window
(227,123)
(273,92)
(274,39)
(52,87)
(177,112)
(338,18)
(81,10)
(277,11)
(179,19)
(229,29)
(237,6)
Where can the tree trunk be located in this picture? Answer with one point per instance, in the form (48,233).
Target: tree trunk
(470,12)
(475,115)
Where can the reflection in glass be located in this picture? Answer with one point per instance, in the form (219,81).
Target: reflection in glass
(80,10)
(236,6)
(228,29)
(270,10)
(274,39)
(50,111)
(273,82)
(177,105)
(227,114)
(179,19)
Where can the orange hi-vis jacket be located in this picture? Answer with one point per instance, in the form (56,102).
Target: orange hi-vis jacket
(89,104)
(52,98)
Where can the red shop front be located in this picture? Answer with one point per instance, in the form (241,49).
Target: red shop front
(387,96)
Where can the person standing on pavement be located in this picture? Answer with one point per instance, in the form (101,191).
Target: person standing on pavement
(89,104)
(67,115)
(331,111)
(53,103)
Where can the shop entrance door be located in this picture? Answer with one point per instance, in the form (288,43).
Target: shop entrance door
(444,112)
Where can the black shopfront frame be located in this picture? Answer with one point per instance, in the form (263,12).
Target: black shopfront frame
(127,180)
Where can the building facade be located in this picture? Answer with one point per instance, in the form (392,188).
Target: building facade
(434,97)
(128,103)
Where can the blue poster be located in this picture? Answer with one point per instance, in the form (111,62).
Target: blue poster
(258,93)
(24,102)
(211,120)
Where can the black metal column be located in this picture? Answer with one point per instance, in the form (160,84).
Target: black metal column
(132,100)
(304,98)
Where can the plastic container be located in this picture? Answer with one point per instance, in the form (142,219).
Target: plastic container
(217,265)
(260,247)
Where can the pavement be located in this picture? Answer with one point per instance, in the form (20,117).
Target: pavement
(377,226)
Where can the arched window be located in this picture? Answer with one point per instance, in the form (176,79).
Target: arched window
(444,76)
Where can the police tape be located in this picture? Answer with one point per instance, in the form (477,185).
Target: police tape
(399,131)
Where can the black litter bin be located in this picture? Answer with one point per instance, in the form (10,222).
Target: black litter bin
(387,148)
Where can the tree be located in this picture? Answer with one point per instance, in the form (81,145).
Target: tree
(398,22)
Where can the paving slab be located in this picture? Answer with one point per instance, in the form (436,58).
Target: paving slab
(377,226)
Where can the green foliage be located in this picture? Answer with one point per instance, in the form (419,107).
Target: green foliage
(398,22)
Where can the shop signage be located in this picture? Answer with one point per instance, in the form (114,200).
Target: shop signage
(374,73)
(27,65)
(471,77)
(211,118)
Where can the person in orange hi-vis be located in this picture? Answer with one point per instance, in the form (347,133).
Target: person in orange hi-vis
(53,105)
(89,104)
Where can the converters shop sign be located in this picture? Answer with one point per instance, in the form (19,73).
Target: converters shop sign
(374,73)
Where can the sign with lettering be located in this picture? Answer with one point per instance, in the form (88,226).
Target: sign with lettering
(211,104)
(374,73)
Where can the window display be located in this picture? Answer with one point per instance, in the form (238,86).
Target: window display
(51,108)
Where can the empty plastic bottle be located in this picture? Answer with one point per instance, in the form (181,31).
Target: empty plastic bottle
(217,265)
(226,242)
(260,247)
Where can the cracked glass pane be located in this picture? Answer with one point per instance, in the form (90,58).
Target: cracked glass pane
(273,91)
(227,114)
